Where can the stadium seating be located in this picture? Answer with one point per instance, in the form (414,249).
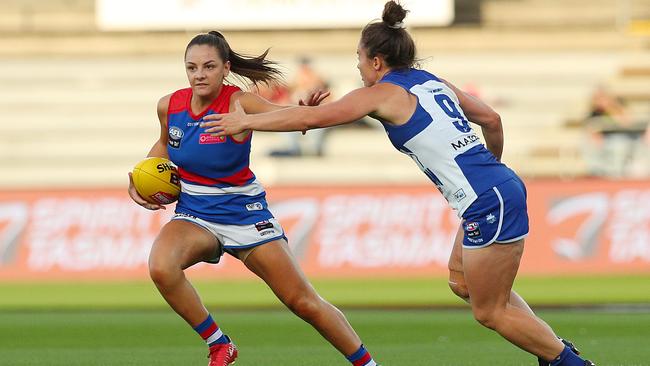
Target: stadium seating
(78,105)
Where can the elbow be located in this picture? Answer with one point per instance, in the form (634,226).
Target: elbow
(493,121)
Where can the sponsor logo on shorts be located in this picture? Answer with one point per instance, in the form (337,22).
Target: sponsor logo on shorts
(180,215)
(208,138)
(267,232)
(459,195)
(175,136)
(255,206)
(263,225)
(473,232)
(491,219)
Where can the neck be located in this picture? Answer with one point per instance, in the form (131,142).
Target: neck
(200,102)
(381,73)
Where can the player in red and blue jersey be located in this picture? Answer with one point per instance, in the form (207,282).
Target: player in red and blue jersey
(222,206)
(427,119)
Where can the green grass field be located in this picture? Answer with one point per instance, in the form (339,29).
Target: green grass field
(276,338)
(418,292)
(403,322)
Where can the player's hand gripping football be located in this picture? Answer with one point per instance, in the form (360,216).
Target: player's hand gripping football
(139,200)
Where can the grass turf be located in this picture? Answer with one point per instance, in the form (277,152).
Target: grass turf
(422,292)
(270,338)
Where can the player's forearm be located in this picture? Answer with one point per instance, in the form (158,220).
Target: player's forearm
(493,135)
(295,118)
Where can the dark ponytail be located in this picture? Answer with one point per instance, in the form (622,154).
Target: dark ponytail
(389,39)
(257,69)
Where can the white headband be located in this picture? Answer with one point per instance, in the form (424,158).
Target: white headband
(397,25)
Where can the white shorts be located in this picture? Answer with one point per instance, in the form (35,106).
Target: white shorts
(233,237)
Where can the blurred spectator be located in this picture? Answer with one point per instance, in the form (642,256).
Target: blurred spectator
(615,139)
(275,93)
(306,81)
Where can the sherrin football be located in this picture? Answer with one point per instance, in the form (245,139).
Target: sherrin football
(157,180)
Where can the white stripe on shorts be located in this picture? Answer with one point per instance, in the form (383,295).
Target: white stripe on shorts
(252,189)
(501,211)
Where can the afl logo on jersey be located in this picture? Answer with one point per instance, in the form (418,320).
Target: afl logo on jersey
(175,136)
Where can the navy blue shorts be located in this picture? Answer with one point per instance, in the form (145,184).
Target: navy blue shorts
(498,215)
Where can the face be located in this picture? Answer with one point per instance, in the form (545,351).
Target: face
(367,67)
(205,70)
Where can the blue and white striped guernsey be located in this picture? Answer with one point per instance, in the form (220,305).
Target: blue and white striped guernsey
(439,138)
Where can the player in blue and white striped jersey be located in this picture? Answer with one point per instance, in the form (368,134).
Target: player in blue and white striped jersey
(428,118)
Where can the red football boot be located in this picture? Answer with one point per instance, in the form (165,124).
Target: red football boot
(222,354)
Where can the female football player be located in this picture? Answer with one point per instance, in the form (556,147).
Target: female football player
(427,118)
(222,206)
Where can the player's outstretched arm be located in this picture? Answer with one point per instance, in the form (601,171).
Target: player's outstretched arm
(483,115)
(351,107)
(254,104)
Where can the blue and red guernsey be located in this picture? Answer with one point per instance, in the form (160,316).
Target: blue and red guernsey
(216,182)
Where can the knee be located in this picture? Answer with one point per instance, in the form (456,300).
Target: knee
(305,306)
(457,284)
(488,318)
(460,290)
(163,274)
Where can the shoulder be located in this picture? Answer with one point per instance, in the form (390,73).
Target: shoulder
(163,104)
(385,90)
(176,101)
(251,102)
(164,100)
(230,91)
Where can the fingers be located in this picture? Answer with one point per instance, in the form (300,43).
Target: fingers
(322,97)
(215,126)
(216,130)
(135,196)
(154,207)
(210,125)
(316,98)
(216,116)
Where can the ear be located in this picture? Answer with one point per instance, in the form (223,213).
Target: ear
(226,68)
(377,63)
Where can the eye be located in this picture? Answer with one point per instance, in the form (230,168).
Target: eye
(210,67)
(191,68)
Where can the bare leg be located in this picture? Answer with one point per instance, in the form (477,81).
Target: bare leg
(459,287)
(274,263)
(180,245)
(489,275)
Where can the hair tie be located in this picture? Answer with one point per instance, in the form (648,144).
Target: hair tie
(397,25)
